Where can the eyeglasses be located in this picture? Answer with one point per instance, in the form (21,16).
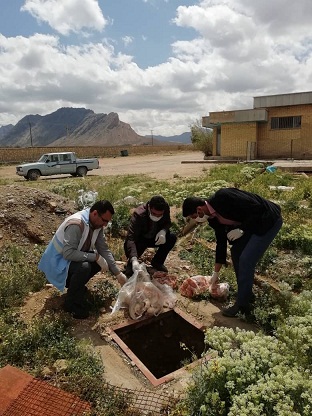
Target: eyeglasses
(104,220)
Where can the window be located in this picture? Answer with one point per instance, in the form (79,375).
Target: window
(291,122)
(54,158)
(65,158)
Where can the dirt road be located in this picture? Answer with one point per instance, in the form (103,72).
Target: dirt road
(158,165)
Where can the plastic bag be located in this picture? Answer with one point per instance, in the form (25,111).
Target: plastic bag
(86,199)
(144,297)
(196,285)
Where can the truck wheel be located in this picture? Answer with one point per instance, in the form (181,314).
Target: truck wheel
(82,171)
(33,175)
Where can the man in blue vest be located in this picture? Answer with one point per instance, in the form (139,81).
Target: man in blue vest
(77,252)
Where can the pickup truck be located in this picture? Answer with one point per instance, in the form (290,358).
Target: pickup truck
(55,164)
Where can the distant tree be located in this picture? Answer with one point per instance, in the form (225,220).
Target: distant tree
(201,138)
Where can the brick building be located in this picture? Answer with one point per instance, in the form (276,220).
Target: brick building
(278,126)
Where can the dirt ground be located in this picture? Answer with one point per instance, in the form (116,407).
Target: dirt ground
(158,165)
(29,217)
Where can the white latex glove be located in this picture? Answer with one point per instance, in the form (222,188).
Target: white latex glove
(121,278)
(214,278)
(135,264)
(102,263)
(160,237)
(235,234)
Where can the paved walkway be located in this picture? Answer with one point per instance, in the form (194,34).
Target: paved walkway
(294,165)
(291,165)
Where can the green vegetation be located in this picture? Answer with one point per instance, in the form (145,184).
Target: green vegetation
(263,373)
(201,138)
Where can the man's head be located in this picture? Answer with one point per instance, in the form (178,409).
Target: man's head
(101,213)
(193,207)
(157,206)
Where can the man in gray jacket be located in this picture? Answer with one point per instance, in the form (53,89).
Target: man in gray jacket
(77,252)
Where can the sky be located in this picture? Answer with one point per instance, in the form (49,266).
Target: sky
(160,64)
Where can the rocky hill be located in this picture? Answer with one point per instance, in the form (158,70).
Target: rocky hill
(68,127)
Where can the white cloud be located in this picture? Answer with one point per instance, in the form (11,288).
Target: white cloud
(241,49)
(67,16)
(127,40)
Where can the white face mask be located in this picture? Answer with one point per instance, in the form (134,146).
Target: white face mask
(201,219)
(155,219)
(108,226)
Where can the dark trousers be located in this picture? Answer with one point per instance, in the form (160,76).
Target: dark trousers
(245,253)
(162,250)
(79,274)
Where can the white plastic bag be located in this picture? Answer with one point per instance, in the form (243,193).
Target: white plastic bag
(86,199)
(142,296)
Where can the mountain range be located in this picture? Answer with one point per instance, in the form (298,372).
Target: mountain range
(78,127)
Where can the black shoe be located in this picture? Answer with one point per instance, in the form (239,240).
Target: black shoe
(76,313)
(159,267)
(247,310)
(232,311)
(80,315)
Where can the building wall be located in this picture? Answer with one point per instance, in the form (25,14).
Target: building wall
(234,138)
(286,143)
(270,143)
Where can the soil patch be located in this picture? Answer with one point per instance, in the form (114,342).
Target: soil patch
(29,217)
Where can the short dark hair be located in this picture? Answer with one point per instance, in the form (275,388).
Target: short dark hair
(158,202)
(190,205)
(102,206)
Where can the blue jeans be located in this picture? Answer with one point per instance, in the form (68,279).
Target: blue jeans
(245,253)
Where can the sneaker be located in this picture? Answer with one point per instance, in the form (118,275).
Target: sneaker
(232,311)
(159,267)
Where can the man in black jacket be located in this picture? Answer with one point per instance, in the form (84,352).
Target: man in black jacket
(249,223)
(149,227)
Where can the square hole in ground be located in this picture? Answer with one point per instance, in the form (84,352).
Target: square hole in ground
(161,345)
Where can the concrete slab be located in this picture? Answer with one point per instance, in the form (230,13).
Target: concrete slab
(294,165)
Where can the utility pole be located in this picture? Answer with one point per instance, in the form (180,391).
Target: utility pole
(152,138)
(67,131)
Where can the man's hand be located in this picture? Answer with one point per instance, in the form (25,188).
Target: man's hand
(214,281)
(102,263)
(235,234)
(121,278)
(214,278)
(160,238)
(135,264)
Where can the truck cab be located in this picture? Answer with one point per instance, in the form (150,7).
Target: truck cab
(55,164)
